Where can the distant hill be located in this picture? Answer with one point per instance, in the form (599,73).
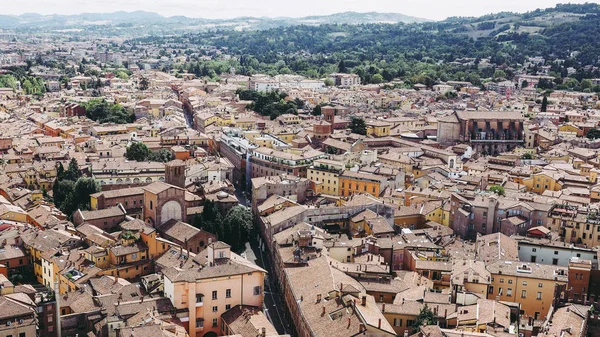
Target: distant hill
(148,19)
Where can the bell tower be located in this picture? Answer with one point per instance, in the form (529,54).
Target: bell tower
(175,173)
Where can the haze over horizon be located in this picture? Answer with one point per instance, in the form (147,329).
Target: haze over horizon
(427,9)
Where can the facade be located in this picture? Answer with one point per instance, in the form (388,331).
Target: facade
(485,132)
(163,202)
(208,290)
(270,162)
(324,176)
(531,285)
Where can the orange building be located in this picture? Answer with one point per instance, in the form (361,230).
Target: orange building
(357,182)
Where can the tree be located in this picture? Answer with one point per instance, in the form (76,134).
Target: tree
(84,187)
(497,189)
(586,84)
(544,107)
(358,126)
(342,67)
(527,156)
(72,172)
(524,84)
(237,226)
(593,134)
(377,78)
(162,156)
(63,195)
(424,318)
(329,82)
(499,74)
(144,84)
(137,151)
(103,111)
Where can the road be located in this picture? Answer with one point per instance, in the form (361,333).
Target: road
(273,305)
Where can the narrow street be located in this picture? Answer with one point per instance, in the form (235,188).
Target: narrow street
(274,306)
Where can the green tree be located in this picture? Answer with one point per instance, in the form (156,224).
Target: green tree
(499,74)
(144,83)
(103,111)
(544,107)
(342,67)
(593,134)
(497,189)
(162,156)
(358,126)
(329,82)
(72,173)
(63,195)
(237,226)
(376,79)
(527,156)
(586,84)
(83,188)
(424,318)
(137,151)
(122,75)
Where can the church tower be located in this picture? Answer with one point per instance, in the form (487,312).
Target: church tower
(175,173)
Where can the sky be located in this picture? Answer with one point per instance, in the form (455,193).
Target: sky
(218,9)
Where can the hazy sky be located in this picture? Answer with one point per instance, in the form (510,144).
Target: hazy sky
(430,9)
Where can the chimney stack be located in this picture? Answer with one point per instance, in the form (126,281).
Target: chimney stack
(264,332)
(364,301)
(323,313)
(379,324)
(383,308)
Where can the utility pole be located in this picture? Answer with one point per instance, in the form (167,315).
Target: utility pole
(57,300)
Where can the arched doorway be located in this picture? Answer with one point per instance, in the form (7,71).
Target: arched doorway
(211,334)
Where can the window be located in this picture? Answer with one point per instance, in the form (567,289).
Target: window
(499,291)
(501,280)
(215,322)
(556,252)
(409,323)
(215,308)
(214,295)
(555,262)
(508,291)
(151,204)
(228,293)
(491,290)
(199,323)
(540,285)
(380,298)
(539,295)
(199,298)
(22,334)
(397,321)
(510,281)
(525,283)
(227,306)
(523,293)
(257,291)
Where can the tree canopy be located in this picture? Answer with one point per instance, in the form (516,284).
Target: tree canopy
(140,152)
(358,126)
(100,110)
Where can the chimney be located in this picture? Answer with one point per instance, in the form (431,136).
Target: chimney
(383,308)
(361,327)
(318,298)
(379,324)
(263,332)
(323,313)
(349,321)
(364,301)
